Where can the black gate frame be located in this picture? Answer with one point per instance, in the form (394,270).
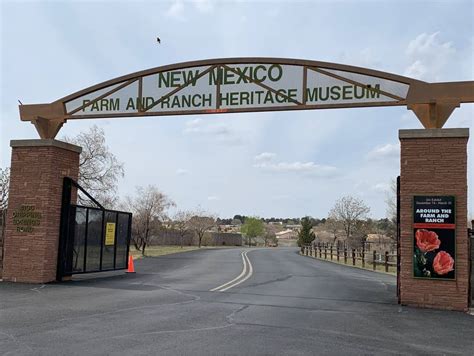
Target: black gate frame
(65,248)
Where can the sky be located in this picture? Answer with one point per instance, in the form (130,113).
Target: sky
(274,164)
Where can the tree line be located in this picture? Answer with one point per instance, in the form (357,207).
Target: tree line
(100,172)
(240,219)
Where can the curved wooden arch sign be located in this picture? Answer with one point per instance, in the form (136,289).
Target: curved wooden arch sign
(249,85)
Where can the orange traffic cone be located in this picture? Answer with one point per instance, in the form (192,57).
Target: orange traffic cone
(130,269)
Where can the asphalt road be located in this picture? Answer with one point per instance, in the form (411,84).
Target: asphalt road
(287,305)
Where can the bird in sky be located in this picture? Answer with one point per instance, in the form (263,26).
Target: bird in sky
(158,40)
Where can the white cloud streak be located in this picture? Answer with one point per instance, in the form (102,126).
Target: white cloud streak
(220,132)
(265,157)
(266,162)
(429,57)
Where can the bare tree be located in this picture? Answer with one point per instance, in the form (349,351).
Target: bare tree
(181,224)
(200,222)
(352,214)
(99,169)
(269,235)
(333,226)
(4,189)
(391,200)
(391,213)
(149,208)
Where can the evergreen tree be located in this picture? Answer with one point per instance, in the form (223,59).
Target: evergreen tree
(306,234)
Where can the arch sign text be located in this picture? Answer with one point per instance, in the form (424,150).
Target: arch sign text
(249,84)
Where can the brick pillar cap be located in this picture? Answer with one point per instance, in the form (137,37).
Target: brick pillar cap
(433,133)
(46,143)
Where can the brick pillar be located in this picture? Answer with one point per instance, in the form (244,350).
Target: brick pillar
(434,162)
(34,209)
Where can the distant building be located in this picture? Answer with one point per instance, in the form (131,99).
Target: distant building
(287,235)
(294,227)
(229,228)
(275,223)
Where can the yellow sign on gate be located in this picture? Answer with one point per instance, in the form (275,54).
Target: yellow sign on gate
(110,234)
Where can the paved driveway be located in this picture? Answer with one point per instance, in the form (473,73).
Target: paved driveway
(286,305)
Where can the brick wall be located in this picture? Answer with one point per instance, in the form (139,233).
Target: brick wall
(434,162)
(37,171)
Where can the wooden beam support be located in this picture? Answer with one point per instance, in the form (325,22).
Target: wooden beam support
(47,128)
(433,115)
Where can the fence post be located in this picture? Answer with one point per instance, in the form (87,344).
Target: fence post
(325,252)
(337,253)
(353,257)
(386,261)
(374,260)
(345,255)
(363,257)
(331,251)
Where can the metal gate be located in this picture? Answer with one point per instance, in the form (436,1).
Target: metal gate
(92,239)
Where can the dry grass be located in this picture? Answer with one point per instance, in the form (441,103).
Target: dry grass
(154,251)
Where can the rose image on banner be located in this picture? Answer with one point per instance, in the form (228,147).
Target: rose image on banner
(426,240)
(434,253)
(443,263)
(434,237)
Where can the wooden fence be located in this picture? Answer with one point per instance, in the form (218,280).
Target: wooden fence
(386,261)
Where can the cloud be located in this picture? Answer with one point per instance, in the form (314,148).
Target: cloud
(266,162)
(384,152)
(182,172)
(213,198)
(265,157)
(176,10)
(429,57)
(218,131)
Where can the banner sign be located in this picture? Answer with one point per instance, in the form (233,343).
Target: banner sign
(237,87)
(434,242)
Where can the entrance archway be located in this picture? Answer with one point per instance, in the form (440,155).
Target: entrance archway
(253,85)
(249,85)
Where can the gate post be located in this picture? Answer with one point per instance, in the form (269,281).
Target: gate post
(32,228)
(433,163)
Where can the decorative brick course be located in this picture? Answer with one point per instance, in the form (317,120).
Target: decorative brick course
(435,165)
(37,171)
